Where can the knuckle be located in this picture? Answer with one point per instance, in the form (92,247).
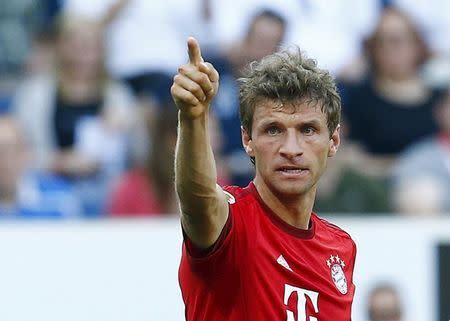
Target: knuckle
(193,100)
(195,88)
(204,78)
(183,69)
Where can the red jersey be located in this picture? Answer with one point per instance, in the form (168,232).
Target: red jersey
(263,269)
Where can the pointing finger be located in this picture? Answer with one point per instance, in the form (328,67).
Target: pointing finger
(195,55)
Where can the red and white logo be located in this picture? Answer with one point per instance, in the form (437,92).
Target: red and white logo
(337,265)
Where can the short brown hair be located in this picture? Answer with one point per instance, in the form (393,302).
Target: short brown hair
(288,76)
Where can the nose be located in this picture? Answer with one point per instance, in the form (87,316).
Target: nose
(291,145)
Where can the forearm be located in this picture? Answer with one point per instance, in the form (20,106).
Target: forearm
(195,168)
(204,209)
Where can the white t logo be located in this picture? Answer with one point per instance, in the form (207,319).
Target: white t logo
(301,303)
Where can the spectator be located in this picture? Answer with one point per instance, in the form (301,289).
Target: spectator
(433,17)
(147,189)
(264,35)
(384,304)
(77,117)
(145,39)
(331,31)
(24,193)
(393,107)
(344,189)
(17,20)
(421,177)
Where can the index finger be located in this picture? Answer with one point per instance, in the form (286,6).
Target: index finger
(195,55)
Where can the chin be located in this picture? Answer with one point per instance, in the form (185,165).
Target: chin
(291,189)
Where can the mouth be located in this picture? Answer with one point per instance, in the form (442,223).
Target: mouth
(292,170)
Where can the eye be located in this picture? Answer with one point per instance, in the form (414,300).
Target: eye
(273,130)
(308,130)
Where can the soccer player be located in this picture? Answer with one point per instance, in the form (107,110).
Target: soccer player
(259,252)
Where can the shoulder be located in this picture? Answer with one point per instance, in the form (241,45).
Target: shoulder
(237,194)
(416,156)
(38,82)
(243,205)
(335,231)
(359,89)
(37,90)
(118,93)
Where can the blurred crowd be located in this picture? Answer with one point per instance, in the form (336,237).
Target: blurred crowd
(88,127)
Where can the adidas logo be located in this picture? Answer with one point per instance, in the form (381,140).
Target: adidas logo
(283,263)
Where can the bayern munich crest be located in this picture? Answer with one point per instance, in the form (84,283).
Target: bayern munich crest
(337,265)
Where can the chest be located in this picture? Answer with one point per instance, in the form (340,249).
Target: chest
(300,279)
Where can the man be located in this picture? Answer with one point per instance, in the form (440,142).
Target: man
(259,253)
(384,304)
(421,176)
(24,193)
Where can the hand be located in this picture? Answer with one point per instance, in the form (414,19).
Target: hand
(196,83)
(113,11)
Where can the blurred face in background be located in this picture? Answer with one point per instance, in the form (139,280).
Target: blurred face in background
(384,305)
(264,37)
(396,48)
(443,114)
(12,156)
(80,47)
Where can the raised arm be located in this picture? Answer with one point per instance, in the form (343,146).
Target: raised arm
(204,209)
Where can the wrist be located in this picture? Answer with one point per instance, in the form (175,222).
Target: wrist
(189,116)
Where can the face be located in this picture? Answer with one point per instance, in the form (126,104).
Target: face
(264,37)
(291,146)
(384,306)
(80,48)
(443,114)
(12,155)
(396,51)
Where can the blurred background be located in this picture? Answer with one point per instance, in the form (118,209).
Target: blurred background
(88,223)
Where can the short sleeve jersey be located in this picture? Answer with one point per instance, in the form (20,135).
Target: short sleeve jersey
(264,269)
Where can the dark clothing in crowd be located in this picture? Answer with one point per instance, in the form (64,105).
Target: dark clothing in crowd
(383,126)
(68,115)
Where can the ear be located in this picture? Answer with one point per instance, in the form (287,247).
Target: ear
(335,141)
(247,142)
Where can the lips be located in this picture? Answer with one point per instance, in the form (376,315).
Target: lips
(291,169)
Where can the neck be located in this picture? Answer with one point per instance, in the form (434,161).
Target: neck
(409,90)
(78,90)
(295,210)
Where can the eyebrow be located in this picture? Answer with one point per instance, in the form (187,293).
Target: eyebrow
(271,122)
(312,122)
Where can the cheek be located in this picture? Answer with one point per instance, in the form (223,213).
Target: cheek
(265,146)
(321,150)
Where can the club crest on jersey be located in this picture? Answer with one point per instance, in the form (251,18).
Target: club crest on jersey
(337,265)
